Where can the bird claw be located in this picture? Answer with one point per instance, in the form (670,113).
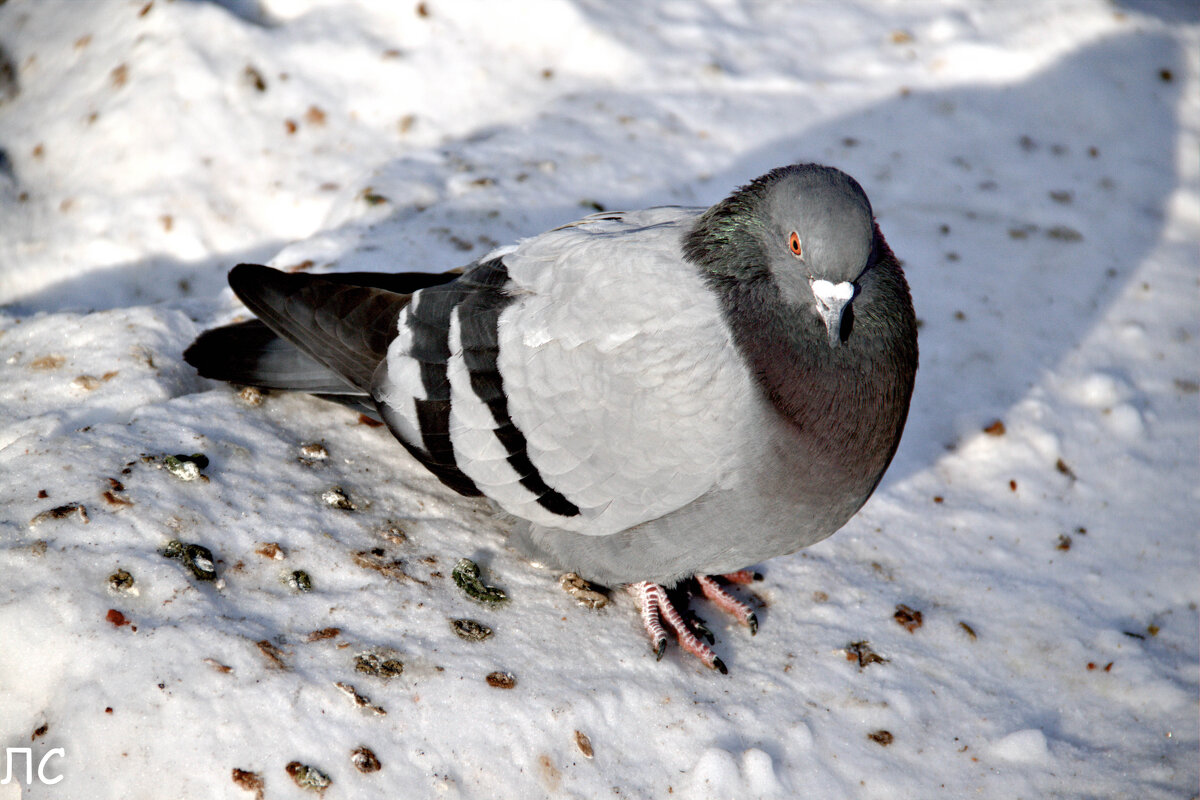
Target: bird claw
(656,608)
(659,647)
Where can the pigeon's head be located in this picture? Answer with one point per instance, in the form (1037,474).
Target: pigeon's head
(807,228)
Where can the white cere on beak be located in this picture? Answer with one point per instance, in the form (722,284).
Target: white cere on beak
(831,302)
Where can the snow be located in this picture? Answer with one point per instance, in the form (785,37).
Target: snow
(1035,164)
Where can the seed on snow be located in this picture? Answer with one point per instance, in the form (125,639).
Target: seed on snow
(466,577)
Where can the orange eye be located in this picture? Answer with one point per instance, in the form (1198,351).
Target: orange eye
(794,244)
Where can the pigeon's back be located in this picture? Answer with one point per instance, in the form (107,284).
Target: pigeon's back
(583,381)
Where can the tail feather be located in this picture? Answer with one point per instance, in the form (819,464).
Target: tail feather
(319,334)
(249,353)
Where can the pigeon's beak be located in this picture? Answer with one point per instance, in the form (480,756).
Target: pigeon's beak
(832,299)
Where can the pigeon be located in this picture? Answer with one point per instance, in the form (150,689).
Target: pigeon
(651,396)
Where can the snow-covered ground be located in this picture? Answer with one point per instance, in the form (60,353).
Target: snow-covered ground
(1035,164)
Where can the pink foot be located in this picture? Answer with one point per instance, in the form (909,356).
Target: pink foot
(742,576)
(727,602)
(656,608)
